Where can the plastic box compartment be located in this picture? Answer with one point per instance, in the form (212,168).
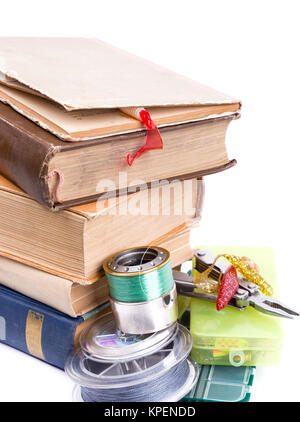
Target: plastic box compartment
(223,384)
(234,337)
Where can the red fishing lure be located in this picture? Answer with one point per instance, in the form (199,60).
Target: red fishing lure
(228,287)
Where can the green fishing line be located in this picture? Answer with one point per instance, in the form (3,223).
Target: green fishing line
(141,287)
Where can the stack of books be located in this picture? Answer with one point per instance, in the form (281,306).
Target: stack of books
(69,198)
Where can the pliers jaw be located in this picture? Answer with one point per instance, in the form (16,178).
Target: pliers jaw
(247,295)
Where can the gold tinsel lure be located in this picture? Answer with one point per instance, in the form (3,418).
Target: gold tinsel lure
(242,266)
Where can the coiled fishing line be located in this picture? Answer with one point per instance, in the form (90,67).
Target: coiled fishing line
(139,274)
(170,387)
(113,366)
(142,290)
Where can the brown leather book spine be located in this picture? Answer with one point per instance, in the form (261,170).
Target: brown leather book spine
(24,156)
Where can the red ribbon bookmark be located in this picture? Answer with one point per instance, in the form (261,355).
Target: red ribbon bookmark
(153,138)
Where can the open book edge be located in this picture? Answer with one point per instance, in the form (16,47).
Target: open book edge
(89,124)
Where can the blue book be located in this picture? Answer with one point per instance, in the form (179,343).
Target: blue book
(39,330)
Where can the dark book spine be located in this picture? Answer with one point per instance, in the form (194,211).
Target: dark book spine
(35,328)
(24,157)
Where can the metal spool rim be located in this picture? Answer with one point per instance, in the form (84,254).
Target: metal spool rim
(114,265)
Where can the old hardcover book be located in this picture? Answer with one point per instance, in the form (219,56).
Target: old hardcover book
(79,130)
(74,243)
(75,299)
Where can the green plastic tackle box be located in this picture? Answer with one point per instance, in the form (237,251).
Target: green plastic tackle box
(231,336)
(222,384)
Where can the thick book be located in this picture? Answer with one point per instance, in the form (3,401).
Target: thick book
(40,330)
(76,128)
(73,243)
(75,299)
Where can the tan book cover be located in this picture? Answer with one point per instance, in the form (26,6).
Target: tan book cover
(82,73)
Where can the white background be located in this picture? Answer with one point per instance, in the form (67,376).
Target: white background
(248,49)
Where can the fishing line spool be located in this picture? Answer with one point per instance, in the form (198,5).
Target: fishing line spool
(142,290)
(113,366)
